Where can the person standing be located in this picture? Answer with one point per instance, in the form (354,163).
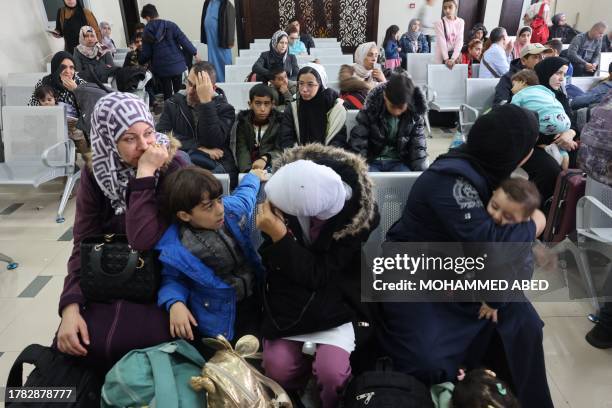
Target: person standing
(218,32)
(162,42)
(69,21)
(428,15)
(449,31)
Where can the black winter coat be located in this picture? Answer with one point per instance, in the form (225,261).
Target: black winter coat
(264,64)
(369,136)
(503,89)
(215,120)
(320,283)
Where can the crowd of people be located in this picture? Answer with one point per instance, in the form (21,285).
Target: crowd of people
(152,181)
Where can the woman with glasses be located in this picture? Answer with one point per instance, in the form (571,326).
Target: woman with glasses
(317,115)
(277,55)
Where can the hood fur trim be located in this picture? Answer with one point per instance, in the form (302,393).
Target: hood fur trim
(367,206)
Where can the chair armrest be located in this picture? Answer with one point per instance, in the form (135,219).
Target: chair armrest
(69,145)
(580,210)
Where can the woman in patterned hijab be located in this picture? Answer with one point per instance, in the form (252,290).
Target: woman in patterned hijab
(125,145)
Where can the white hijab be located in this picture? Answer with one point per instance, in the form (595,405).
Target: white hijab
(305,189)
(360,55)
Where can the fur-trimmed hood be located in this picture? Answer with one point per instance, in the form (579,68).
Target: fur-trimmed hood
(375,103)
(353,170)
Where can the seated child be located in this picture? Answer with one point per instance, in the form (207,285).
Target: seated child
(131,59)
(210,269)
(285,88)
(516,200)
(46,97)
(482,388)
(529,94)
(257,129)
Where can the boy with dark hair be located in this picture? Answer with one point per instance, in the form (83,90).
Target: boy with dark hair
(390,129)
(256,130)
(163,45)
(131,58)
(211,271)
(285,88)
(202,120)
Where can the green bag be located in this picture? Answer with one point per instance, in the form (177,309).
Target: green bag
(156,376)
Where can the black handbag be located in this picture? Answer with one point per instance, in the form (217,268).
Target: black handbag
(111,269)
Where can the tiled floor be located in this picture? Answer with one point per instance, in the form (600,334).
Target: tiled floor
(579,375)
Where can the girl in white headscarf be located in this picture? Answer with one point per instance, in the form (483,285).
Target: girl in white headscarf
(366,63)
(320,210)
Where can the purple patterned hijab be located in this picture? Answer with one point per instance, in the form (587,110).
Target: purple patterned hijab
(111,117)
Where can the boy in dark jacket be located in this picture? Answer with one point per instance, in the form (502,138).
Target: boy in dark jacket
(256,130)
(390,129)
(202,120)
(211,270)
(162,42)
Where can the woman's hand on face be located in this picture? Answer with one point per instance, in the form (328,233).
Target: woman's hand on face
(71,326)
(69,84)
(509,46)
(151,160)
(270,221)
(565,140)
(378,75)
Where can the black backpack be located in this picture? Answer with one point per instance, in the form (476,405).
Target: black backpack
(385,388)
(55,369)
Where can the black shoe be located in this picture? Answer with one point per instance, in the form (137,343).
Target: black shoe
(599,337)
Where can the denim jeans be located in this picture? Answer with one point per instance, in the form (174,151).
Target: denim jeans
(387,165)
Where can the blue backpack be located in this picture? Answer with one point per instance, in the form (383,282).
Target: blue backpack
(156,376)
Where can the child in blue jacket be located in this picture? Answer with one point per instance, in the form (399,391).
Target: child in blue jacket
(211,270)
(529,94)
(392,48)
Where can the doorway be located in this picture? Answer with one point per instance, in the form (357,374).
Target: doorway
(131,17)
(472,12)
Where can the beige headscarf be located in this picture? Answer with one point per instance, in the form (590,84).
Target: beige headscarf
(360,55)
(97,51)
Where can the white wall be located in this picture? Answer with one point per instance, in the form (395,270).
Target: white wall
(586,12)
(24,44)
(398,12)
(110,11)
(492,13)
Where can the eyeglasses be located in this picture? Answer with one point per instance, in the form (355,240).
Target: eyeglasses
(308,84)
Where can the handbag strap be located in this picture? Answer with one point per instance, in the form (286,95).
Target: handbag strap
(541,12)
(269,311)
(445,33)
(95,260)
(490,68)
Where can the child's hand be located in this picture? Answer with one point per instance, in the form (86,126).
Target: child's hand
(181,320)
(259,164)
(487,313)
(271,221)
(261,174)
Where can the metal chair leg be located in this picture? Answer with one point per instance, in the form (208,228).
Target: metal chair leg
(11,264)
(70,183)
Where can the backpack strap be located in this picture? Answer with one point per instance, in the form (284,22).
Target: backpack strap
(166,394)
(352,99)
(281,399)
(541,12)
(32,354)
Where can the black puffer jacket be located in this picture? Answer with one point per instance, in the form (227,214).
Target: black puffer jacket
(215,120)
(369,136)
(503,89)
(309,289)
(265,63)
